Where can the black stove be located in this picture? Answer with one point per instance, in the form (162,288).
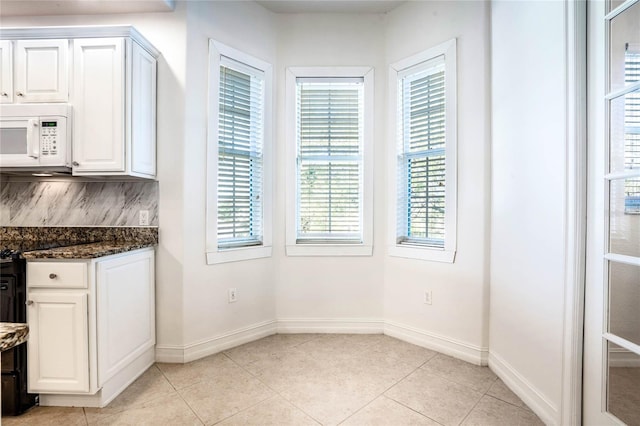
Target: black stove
(13,296)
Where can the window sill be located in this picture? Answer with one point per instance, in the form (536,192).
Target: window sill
(329,250)
(423,253)
(238,254)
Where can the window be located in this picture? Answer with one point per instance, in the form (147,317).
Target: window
(632,129)
(238,194)
(329,149)
(423,216)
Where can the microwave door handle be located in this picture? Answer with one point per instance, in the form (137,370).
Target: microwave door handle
(33,142)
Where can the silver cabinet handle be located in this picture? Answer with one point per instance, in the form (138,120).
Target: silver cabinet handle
(19,94)
(75,164)
(53,276)
(5,94)
(29,302)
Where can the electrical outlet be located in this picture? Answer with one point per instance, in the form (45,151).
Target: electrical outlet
(233,295)
(143,218)
(427,297)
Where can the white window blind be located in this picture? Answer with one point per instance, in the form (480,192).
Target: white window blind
(329,159)
(240,161)
(421,154)
(632,130)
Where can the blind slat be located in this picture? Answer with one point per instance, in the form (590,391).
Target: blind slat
(329,137)
(240,124)
(421,164)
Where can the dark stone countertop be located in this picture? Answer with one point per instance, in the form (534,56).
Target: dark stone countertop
(12,334)
(87,251)
(76,242)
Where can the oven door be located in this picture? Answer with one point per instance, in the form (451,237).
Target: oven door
(19,142)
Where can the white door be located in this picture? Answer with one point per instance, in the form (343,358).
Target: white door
(612,309)
(6,72)
(58,344)
(42,71)
(99,105)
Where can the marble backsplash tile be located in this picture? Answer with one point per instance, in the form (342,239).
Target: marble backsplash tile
(62,203)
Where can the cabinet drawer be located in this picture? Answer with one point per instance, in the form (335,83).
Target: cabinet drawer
(57,274)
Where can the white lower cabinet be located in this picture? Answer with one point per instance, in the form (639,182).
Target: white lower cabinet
(91,326)
(58,344)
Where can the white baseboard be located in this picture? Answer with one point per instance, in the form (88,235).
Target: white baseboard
(170,353)
(203,348)
(620,357)
(464,351)
(331,325)
(177,354)
(524,389)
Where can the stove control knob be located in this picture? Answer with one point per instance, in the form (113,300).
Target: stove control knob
(53,276)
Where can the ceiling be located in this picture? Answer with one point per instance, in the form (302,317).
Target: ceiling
(90,7)
(82,7)
(330,6)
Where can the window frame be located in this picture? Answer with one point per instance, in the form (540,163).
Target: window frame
(396,149)
(327,248)
(214,253)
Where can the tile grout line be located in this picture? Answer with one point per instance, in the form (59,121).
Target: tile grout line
(436,372)
(310,356)
(134,407)
(86,420)
(477,402)
(180,395)
(526,407)
(401,380)
(270,388)
(384,391)
(243,410)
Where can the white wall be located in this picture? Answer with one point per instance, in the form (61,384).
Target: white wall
(321,288)
(458,318)
(207,314)
(528,200)
(522,184)
(193,313)
(167,32)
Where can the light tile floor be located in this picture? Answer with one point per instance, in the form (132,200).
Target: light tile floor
(307,379)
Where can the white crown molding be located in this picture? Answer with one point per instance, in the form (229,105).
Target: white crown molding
(71,32)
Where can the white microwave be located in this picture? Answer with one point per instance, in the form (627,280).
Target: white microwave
(35,138)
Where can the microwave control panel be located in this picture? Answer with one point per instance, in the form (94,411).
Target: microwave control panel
(49,135)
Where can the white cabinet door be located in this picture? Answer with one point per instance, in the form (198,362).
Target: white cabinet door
(6,72)
(126,310)
(99,105)
(143,112)
(58,344)
(42,71)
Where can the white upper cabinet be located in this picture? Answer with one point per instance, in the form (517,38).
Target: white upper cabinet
(143,111)
(107,74)
(6,72)
(99,105)
(114,98)
(41,71)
